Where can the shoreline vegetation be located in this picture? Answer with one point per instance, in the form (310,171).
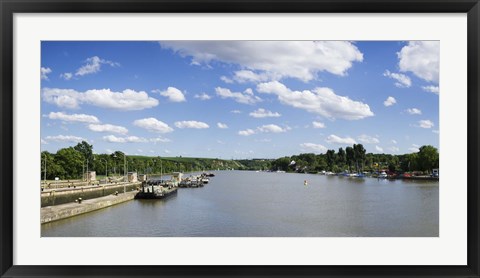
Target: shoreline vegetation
(73,162)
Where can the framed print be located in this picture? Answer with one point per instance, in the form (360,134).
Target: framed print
(265,138)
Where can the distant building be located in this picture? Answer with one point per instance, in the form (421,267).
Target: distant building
(132,177)
(142,177)
(90,176)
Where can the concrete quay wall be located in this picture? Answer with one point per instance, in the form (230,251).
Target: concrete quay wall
(63,196)
(54,213)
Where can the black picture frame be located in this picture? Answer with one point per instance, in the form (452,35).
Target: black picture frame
(9,7)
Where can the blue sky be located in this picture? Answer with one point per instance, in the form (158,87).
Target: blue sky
(239,99)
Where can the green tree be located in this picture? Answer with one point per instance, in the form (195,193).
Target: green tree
(427,158)
(85,149)
(341,158)
(71,162)
(330,156)
(350,157)
(359,156)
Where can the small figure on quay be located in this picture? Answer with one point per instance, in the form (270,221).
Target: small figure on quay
(305,182)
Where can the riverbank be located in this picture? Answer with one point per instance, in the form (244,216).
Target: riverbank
(58,212)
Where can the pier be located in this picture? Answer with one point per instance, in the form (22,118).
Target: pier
(54,213)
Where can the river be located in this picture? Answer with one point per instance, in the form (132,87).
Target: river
(262,204)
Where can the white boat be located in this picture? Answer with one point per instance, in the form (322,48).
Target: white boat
(382,175)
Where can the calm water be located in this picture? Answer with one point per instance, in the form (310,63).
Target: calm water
(257,204)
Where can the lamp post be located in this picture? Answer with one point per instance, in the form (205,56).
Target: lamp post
(45,170)
(124,170)
(106,170)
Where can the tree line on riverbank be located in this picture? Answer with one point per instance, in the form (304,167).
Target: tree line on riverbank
(73,162)
(355,159)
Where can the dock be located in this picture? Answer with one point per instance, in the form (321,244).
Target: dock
(58,212)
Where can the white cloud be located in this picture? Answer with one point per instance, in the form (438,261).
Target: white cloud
(296,59)
(43,142)
(422,58)
(321,101)
(393,141)
(379,149)
(262,113)
(318,124)
(403,81)
(191,124)
(414,149)
(243,76)
(108,128)
(82,118)
(366,139)
(272,128)
(66,75)
(390,101)
(394,149)
(246,97)
(222,125)
(104,98)
(226,79)
(334,139)
(236,111)
(414,111)
(425,124)
(65,138)
(203,96)
(93,65)
(173,94)
(311,147)
(153,125)
(436,131)
(128,139)
(159,140)
(44,73)
(246,132)
(431,89)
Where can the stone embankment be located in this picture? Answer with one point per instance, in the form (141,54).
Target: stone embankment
(54,213)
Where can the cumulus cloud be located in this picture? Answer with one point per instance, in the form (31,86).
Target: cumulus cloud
(302,60)
(153,125)
(243,76)
(431,89)
(393,141)
(414,111)
(421,58)
(159,140)
(246,132)
(108,128)
(173,94)
(394,149)
(413,149)
(104,98)
(366,139)
(236,111)
(379,149)
(246,97)
(93,65)
(334,139)
(402,81)
(318,124)
(66,75)
(65,138)
(262,113)
(202,96)
(82,118)
(425,124)
(44,73)
(311,147)
(191,124)
(322,101)
(272,128)
(128,139)
(390,101)
(222,125)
